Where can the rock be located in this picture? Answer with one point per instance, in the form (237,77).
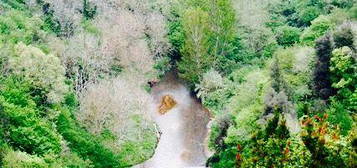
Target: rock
(167,103)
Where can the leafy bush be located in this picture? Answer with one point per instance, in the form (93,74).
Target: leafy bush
(353,12)
(43,71)
(273,146)
(339,115)
(17,159)
(344,76)
(27,131)
(84,144)
(163,65)
(287,35)
(308,14)
(319,27)
(211,81)
(195,59)
(345,35)
(327,147)
(16,26)
(321,74)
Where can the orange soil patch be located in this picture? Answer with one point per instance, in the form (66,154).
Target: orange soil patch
(167,103)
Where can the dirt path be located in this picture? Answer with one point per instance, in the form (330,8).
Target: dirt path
(183,128)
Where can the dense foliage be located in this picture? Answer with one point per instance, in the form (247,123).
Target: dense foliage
(304,114)
(279,78)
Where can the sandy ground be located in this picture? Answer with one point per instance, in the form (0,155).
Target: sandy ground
(183,128)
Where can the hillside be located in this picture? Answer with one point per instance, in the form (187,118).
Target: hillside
(178,83)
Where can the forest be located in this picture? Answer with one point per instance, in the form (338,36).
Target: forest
(81,83)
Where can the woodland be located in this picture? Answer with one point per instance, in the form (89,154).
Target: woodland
(278,77)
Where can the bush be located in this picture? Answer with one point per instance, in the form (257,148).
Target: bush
(344,76)
(210,82)
(327,147)
(287,35)
(43,71)
(84,144)
(339,115)
(353,12)
(163,65)
(273,146)
(16,26)
(27,131)
(319,27)
(196,58)
(17,159)
(345,35)
(321,73)
(308,14)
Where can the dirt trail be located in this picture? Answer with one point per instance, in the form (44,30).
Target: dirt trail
(183,128)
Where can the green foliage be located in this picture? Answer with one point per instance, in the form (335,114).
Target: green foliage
(353,12)
(84,144)
(176,37)
(27,131)
(343,3)
(339,115)
(219,132)
(195,57)
(210,40)
(344,76)
(300,13)
(318,28)
(287,35)
(17,159)
(327,147)
(273,147)
(89,10)
(295,63)
(211,81)
(15,4)
(308,14)
(43,71)
(16,26)
(163,65)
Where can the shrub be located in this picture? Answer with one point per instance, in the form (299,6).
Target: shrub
(163,65)
(272,146)
(196,58)
(321,74)
(344,76)
(353,12)
(84,144)
(219,132)
(319,27)
(308,14)
(339,115)
(17,159)
(326,146)
(287,35)
(27,131)
(16,26)
(43,71)
(211,81)
(345,35)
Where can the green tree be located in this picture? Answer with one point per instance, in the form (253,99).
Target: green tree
(195,52)
(287,35)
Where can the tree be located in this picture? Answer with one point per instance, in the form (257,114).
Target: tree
(322,83)
(195,52)
(42,70)
(288,36)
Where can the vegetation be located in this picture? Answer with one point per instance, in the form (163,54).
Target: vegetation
(278,77)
